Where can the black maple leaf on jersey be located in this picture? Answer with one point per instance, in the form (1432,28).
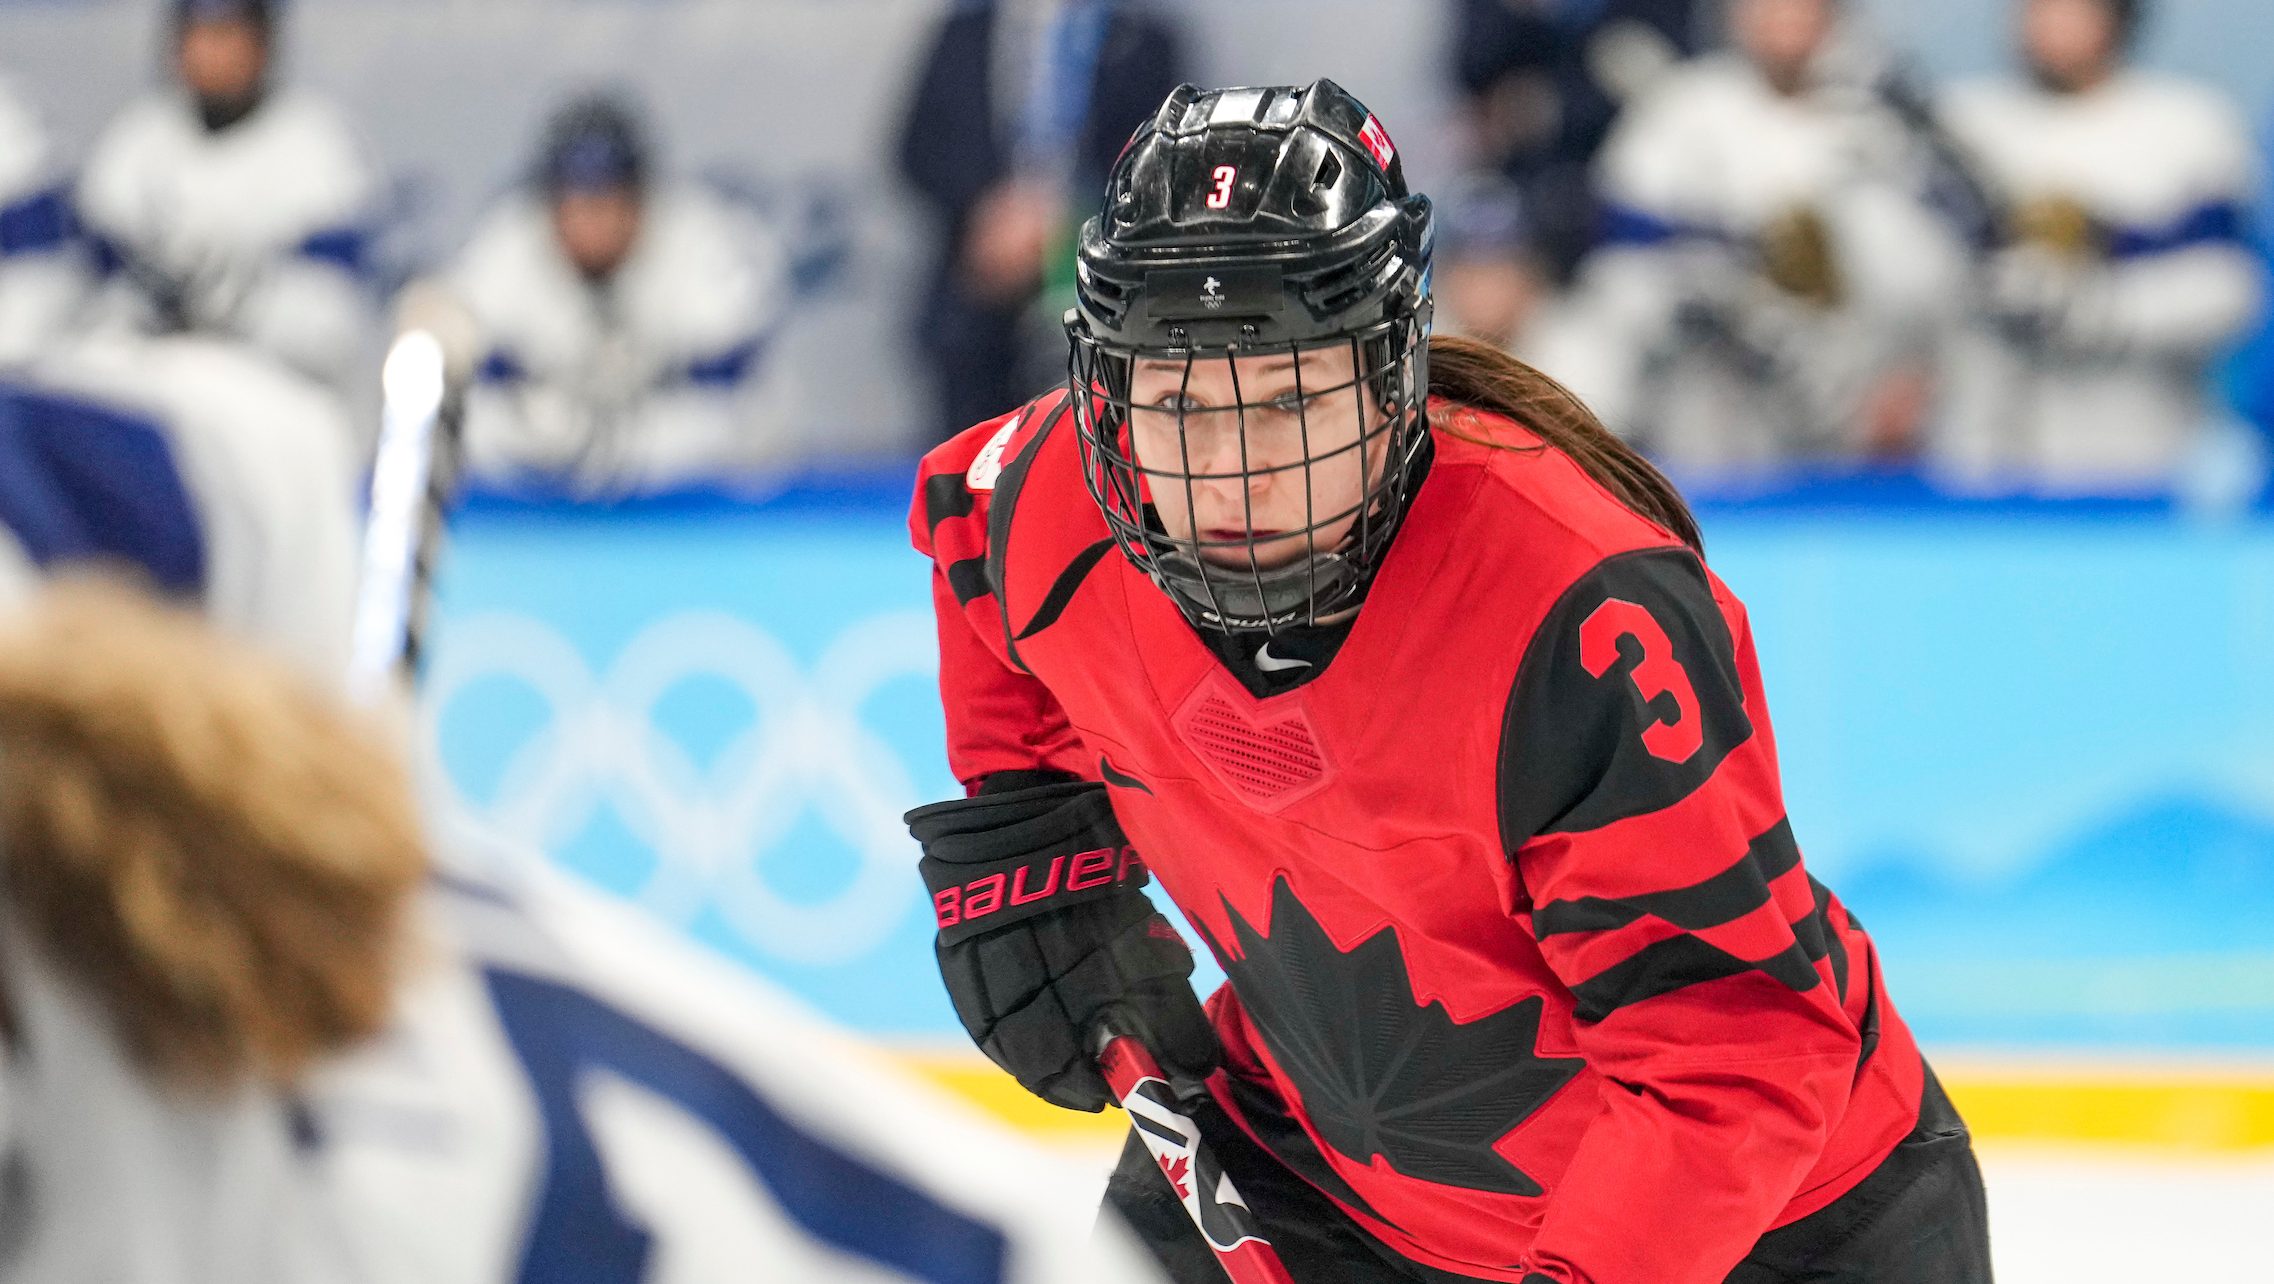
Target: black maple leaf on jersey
(1380,1074)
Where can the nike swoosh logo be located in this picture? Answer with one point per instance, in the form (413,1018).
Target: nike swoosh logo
(1270,663)
(1112,776)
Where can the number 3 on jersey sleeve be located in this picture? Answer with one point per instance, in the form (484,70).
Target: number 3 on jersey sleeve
(1658,673)
(1626,701)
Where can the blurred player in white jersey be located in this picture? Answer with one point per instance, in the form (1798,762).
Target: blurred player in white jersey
(228,204)
(208,469)
(212,476)
(42,274)
(2123,269)
(627,321)
(1772,278)
(207,886)
(250,1033)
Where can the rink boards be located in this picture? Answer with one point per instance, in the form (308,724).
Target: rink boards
(2033,750)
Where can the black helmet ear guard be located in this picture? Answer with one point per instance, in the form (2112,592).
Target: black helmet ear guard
(1243,223)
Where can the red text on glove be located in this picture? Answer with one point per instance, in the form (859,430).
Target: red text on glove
(1081,872)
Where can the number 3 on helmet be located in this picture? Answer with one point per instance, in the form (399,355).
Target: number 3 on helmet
(1224,177)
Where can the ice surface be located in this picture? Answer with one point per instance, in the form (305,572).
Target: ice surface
(2058,1216)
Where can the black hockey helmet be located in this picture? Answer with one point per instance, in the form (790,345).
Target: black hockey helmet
(595,142)
(261,14)
(1245,223)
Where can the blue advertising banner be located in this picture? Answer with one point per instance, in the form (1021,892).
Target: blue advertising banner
(719,715)
(2034,752)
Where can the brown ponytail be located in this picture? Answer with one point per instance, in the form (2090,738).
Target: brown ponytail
(1476,374)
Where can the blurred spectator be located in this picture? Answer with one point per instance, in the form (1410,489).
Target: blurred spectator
(626,320)
(1019,104)
(2249,377)
(227,205)
(2122,268)
(1773,280)
(41,276)
(1490,280)
(1543,80)
(1493,281)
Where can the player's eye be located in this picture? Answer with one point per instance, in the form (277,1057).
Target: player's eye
(1177,403)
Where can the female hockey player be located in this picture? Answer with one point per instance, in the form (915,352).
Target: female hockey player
(1411,686)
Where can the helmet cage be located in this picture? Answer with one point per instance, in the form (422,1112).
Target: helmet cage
(1388,359)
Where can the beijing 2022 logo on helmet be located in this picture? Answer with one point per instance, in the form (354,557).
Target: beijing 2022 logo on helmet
(606,742)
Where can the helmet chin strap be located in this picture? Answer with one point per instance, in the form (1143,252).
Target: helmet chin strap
(1237,600)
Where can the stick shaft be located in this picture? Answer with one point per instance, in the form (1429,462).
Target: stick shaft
(413,474)
(1189,1165)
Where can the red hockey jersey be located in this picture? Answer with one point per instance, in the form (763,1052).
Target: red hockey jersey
(1526,972)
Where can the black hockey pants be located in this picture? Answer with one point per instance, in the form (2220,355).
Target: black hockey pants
(1919,1218)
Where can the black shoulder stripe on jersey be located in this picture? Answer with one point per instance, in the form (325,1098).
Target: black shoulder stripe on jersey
(1063,588)
(1678,963)
(967,579)
(946,495)
(1819,937)
(1573,754)
(1672,964)
(1870,1008)
(1794,966)
(1008,484)
(1724,898)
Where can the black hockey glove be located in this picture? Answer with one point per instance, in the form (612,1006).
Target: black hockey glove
(1044,936)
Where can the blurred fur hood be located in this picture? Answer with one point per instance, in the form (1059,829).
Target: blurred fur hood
(217,855)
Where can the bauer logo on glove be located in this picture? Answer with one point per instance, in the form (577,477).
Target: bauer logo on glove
(963,905)
(1046,937)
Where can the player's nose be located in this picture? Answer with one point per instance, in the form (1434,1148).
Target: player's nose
(1228,484)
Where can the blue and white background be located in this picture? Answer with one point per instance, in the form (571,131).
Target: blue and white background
(2033,747)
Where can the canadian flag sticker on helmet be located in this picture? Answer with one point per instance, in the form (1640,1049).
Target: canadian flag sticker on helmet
(1377,140)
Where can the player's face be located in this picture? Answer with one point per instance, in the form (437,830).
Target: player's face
(1295,409)
(596,230)
(2068,42)
(222,60)
(1782,37)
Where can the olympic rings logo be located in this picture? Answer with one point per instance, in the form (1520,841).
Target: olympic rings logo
(710,828)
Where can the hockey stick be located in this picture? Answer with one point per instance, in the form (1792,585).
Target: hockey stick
(1188,1164)
(414,473)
